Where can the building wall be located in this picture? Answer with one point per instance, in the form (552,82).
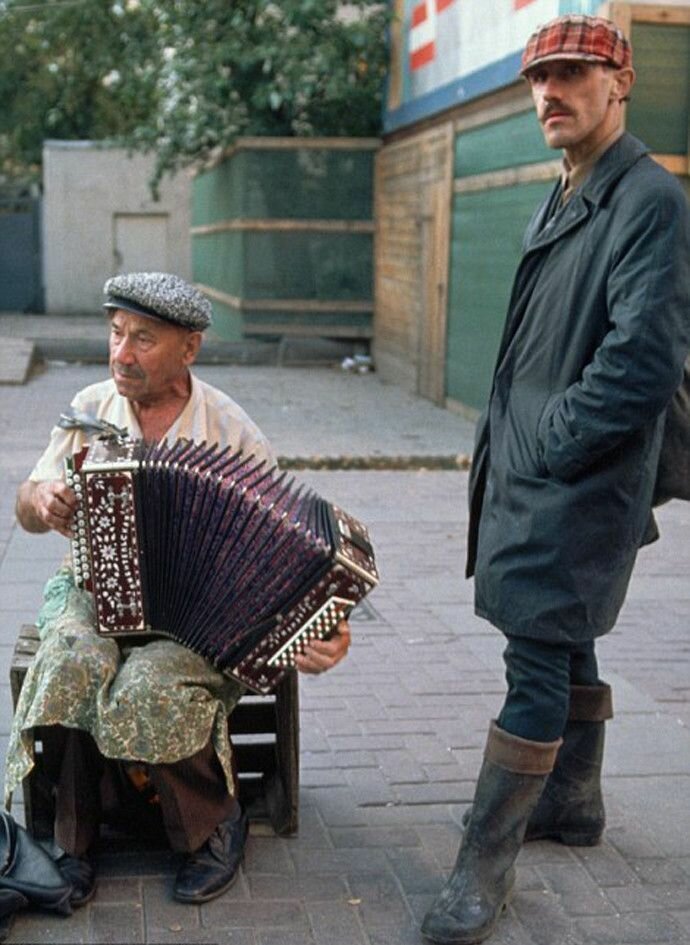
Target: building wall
(413,190)
(99,218)
(500,171)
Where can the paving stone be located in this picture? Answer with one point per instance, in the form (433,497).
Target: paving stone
(308,887)
(162,911)
(355,759)
(369,787)
(284,937)
(353,861)
(543,916)
(379,901)
(312,834)
(404,815)
(645,928)
(447,792)
(223,913)
(268,855)
(380,837)
(366,742)
(659,871)
(116,923)
(16,358)
(667,898)
(511,932)
(310,760)
(416,871)
(338,723)
(683,919)
(125,889)
(338,807)
(578,893)
(363,708)
(44,927)
(336,924)
(538,852)
(404,932)
(401,767)
(530,878)
(442,841)
(173,936)
(606,865)
(322,777)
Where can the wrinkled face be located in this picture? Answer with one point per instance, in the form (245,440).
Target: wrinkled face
(578,103)
(149,358)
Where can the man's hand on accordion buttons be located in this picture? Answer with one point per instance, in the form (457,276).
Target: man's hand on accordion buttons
(55,504)
(321,655)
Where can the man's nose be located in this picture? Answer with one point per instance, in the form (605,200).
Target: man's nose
(123,350)
(551,88)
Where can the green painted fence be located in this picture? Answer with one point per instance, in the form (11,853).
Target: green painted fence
(282,238)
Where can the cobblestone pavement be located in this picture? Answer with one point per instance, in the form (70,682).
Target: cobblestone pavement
(392,739)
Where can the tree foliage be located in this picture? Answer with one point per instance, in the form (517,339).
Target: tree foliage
(183,77)
(72,70)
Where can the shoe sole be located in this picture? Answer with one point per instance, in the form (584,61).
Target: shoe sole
(78,903)
(480,937)
(199,900)
(567,839)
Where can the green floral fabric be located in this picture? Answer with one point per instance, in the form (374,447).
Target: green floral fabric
(158,702)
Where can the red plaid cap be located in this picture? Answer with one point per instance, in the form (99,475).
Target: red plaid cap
(577,37)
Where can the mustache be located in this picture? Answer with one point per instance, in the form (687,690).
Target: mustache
(133,372)
(551,110)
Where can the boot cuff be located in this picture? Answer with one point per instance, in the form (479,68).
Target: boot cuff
(590,703)
(519,754)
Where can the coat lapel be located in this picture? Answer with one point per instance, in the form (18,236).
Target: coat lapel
(607,172)
(565,219)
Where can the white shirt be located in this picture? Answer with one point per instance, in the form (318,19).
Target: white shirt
(209,416)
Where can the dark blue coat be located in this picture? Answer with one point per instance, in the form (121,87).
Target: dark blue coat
(566,453)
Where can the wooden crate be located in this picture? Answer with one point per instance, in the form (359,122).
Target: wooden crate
(265,735)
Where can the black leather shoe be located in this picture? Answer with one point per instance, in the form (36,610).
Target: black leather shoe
(80,873)
(212,869)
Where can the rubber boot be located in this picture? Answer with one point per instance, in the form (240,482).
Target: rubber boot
(571,807)
(510,781)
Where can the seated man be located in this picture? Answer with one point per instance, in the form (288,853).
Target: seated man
(158,709)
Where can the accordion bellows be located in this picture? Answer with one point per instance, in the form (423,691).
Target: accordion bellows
(215,551)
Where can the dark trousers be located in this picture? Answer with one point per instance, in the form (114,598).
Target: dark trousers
(192,796)
(539,677)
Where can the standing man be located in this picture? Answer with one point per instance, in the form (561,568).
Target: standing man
(598,328)
(157,712)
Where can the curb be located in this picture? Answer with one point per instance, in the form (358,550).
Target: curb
(460,461)
(282,353)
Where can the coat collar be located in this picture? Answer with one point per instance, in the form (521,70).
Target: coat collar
(608,170)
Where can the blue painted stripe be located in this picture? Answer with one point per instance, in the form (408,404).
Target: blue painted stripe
(495,76)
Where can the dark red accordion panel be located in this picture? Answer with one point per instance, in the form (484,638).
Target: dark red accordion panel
(222,554)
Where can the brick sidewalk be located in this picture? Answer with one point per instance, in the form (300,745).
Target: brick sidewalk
(392,739)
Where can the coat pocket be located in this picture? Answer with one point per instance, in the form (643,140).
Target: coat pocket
(543,427)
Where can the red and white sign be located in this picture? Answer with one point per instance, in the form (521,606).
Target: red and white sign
(424,23)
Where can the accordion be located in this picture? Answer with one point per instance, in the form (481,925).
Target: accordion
(207,547)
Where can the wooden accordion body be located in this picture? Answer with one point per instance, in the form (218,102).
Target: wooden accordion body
(215,551)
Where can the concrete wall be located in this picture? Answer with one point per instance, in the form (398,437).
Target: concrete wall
(99,218)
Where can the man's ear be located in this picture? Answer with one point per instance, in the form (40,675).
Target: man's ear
(192,345)
(623,80)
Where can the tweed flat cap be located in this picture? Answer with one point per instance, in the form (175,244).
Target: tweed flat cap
(591,38)
(159,295)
